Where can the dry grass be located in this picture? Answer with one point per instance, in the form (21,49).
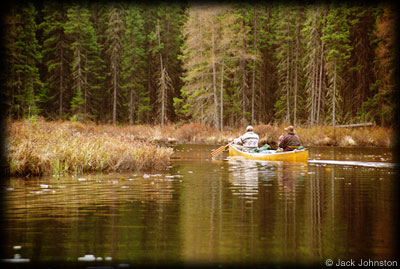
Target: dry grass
(64,147)
(40,147)
(315,136)
(344,137)
(268,134)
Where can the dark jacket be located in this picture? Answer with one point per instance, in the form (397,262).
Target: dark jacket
(289,142)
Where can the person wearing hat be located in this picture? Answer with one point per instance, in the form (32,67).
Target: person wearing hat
(249,140)
(290,141)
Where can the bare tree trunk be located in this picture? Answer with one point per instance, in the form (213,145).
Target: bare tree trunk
(61,83)
(115,90)
(216,118)
(131,108)
(86,84)
(316,66)
(313,75)
(149,85)
(320,82)
(222,95)
(334,95)
(312,112)
(162,92)
(163,82)
(79,78)
(296,75)
(79,86)
(244,84)
(254,70)
(243,67)
(288,85)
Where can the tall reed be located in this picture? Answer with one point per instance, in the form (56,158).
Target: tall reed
(38,148)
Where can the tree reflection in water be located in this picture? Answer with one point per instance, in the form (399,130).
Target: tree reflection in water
(202,211)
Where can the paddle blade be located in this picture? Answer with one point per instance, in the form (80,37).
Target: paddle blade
(218,151)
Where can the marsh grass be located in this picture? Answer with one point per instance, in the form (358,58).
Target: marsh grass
(39,147)
(42,148)
(204,134)
(346,137)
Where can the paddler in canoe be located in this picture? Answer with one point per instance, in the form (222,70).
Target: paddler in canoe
(248,141)
(290,152)
(290,141)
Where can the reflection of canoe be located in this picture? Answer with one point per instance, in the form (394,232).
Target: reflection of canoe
(271,155)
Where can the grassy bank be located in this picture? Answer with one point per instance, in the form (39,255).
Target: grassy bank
(39,147)
(42,148)
(316,136)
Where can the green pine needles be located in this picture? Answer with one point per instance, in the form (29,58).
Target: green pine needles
(219,64)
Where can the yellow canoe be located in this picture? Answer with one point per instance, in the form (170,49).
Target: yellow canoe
(271,155)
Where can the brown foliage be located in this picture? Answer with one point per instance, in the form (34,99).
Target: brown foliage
(39,147)
(193,132)
(63,147)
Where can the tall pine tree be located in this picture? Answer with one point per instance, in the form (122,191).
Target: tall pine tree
(133,76)
(56,57)
(114,40)
(26,92)
(337,43)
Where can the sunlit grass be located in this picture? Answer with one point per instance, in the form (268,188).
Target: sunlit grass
(41,148)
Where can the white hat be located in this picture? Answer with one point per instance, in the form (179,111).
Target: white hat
(249,128)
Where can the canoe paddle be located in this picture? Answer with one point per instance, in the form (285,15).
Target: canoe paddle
(219,150)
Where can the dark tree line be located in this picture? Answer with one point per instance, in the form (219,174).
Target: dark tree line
(219,64)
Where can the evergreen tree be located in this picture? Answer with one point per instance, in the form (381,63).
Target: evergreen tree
(99,77)
(285,54)
(314,64)
(359,75)
(380,107)
(336,41)
(173,18)
(114,39)
(267,75)
(23,56)
(167,43)
(78,27)
(240,51)
(218,64)
(86,63)
(133,76)
(95,70)
(56,57)
(198,86)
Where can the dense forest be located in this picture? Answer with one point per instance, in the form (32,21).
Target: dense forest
(222,65)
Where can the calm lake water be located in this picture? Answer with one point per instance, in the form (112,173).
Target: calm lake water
(203,211)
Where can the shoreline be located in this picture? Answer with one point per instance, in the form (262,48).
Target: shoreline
(38,147)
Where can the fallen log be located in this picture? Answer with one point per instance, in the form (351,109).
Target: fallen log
(355,125)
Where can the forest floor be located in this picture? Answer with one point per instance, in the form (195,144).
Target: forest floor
(37,147)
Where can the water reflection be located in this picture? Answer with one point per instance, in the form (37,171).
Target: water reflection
(244,176)
(103,215)
(206,211)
